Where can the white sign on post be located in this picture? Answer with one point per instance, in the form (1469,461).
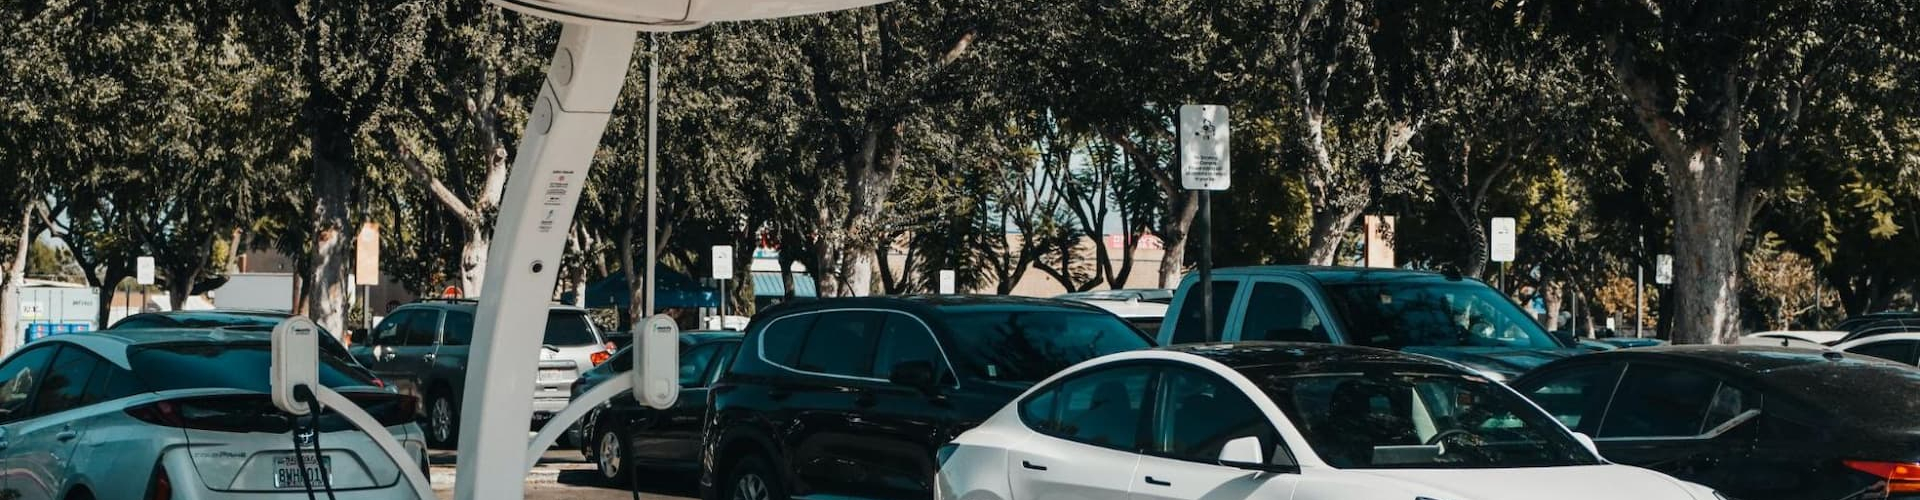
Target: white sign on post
(946,281)
(1500,248)
(723,262)
(143,270)
(1663,269)
(1204,135)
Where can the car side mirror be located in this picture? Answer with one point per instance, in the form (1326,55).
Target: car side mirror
(1587,441)
(915,374)
(1247,453)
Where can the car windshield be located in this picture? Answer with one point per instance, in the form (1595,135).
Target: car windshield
(1382,420)
(250,323)
(1027,345)
(244,366)
(570,329)
(1397,315)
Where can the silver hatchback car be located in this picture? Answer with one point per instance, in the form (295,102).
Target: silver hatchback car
(184,414)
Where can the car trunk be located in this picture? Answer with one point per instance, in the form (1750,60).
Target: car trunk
(242,443)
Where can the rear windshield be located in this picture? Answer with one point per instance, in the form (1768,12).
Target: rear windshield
(243,366)
(570,329)
(1027,345)
(1396,315)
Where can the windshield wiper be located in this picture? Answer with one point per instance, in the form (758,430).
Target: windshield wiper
(549,347)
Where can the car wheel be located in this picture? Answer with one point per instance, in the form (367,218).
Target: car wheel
(752,479)
(610,455)
(443,421)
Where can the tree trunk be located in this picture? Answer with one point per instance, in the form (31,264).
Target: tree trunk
(1328,233)
(473,259)
(332,190)
(109,286)
(1174,237)
(1708,230)
(13,273)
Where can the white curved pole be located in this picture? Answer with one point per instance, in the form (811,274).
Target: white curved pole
(578,408)
(372,428)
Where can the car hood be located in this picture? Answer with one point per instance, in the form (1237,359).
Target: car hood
(1589,482)
(1503,361)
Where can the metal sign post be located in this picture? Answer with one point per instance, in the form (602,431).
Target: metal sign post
(1205,166)
(723,270)
(1500,247)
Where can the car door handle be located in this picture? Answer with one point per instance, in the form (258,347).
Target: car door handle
(428,358)
(1157,482)
(1033,466)
(66,435)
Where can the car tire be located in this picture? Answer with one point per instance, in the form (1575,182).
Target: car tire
(610,456)
(752,479)
(443,421)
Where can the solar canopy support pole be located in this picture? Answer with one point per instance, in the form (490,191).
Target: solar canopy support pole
(583,81)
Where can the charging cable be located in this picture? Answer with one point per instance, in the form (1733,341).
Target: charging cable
(305,395)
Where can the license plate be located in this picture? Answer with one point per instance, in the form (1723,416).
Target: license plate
(554,375)
(286,471)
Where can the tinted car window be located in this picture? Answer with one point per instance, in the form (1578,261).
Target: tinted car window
(1656,400)
(388,332)
(65,382)
(842,343)
(1395,419)
(422,328)
(1029,345)
(1198,414)
(569,329)
(1439,314)
(1187,328)
(20,375)
(1893,350)
(905,340)
(1100,408)
(1577,397)
(693,364)
(459,328)
(721,361)
(141,322)
(111,382)
(1280,312)
(244,366)
(780,341)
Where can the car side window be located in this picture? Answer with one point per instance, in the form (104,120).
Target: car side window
(66,382)
(1102,408)
(110,382)
(694,363)
(388,333)
(1659,401)
(720,361)
(1578,397)
(1893,350)
(1281,312)
(1197,413)
(780,341)
(841,343)
(18,377)
(459,326)
(1187,328)
(422,329)
(905,339)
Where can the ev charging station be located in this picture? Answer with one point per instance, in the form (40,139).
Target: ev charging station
(563,130)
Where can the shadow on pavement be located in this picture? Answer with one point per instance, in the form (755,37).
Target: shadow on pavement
(666,483)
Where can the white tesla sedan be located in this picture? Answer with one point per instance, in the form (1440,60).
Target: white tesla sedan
(1282,421)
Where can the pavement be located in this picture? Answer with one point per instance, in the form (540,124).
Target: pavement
(563,474)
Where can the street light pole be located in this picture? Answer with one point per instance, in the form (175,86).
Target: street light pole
(653,164)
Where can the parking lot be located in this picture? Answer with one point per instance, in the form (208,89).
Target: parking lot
(564,475)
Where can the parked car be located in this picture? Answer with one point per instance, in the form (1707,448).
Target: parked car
(622,435)
(852,397)
(184,413)
(1631,342)
(231,319)
(1145,316)
(421,350)
(1438,315)
(1793,338)
(1903,348)
(1264,420)
(1755,422)
(1155,295)
(1881,323)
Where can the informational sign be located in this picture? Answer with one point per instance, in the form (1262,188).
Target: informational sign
(1663,269)
(723,262)
(1380,241)
(366,254)
(143,270)
(1500,248)
(33,310)
(1204,134)
(946,282)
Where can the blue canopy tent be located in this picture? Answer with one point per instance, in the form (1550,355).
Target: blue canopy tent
(673,289)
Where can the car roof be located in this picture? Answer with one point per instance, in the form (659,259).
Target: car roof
(1807,335)
(1338,275)
(927,304)
(1290,358)
(705,336)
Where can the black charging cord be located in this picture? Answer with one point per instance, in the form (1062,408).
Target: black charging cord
(304,394)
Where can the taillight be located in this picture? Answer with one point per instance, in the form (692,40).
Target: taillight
(379,383)
(256,413)
(599,357)
(611,347)
(159,487)
(1900,477)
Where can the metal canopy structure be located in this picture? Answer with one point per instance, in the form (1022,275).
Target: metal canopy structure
(563,131)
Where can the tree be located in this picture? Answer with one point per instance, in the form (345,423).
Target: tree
(1719,89)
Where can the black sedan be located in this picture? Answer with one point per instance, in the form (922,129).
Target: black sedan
(1758,423)
(622,434)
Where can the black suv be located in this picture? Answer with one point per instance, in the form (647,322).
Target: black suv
(852,397)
